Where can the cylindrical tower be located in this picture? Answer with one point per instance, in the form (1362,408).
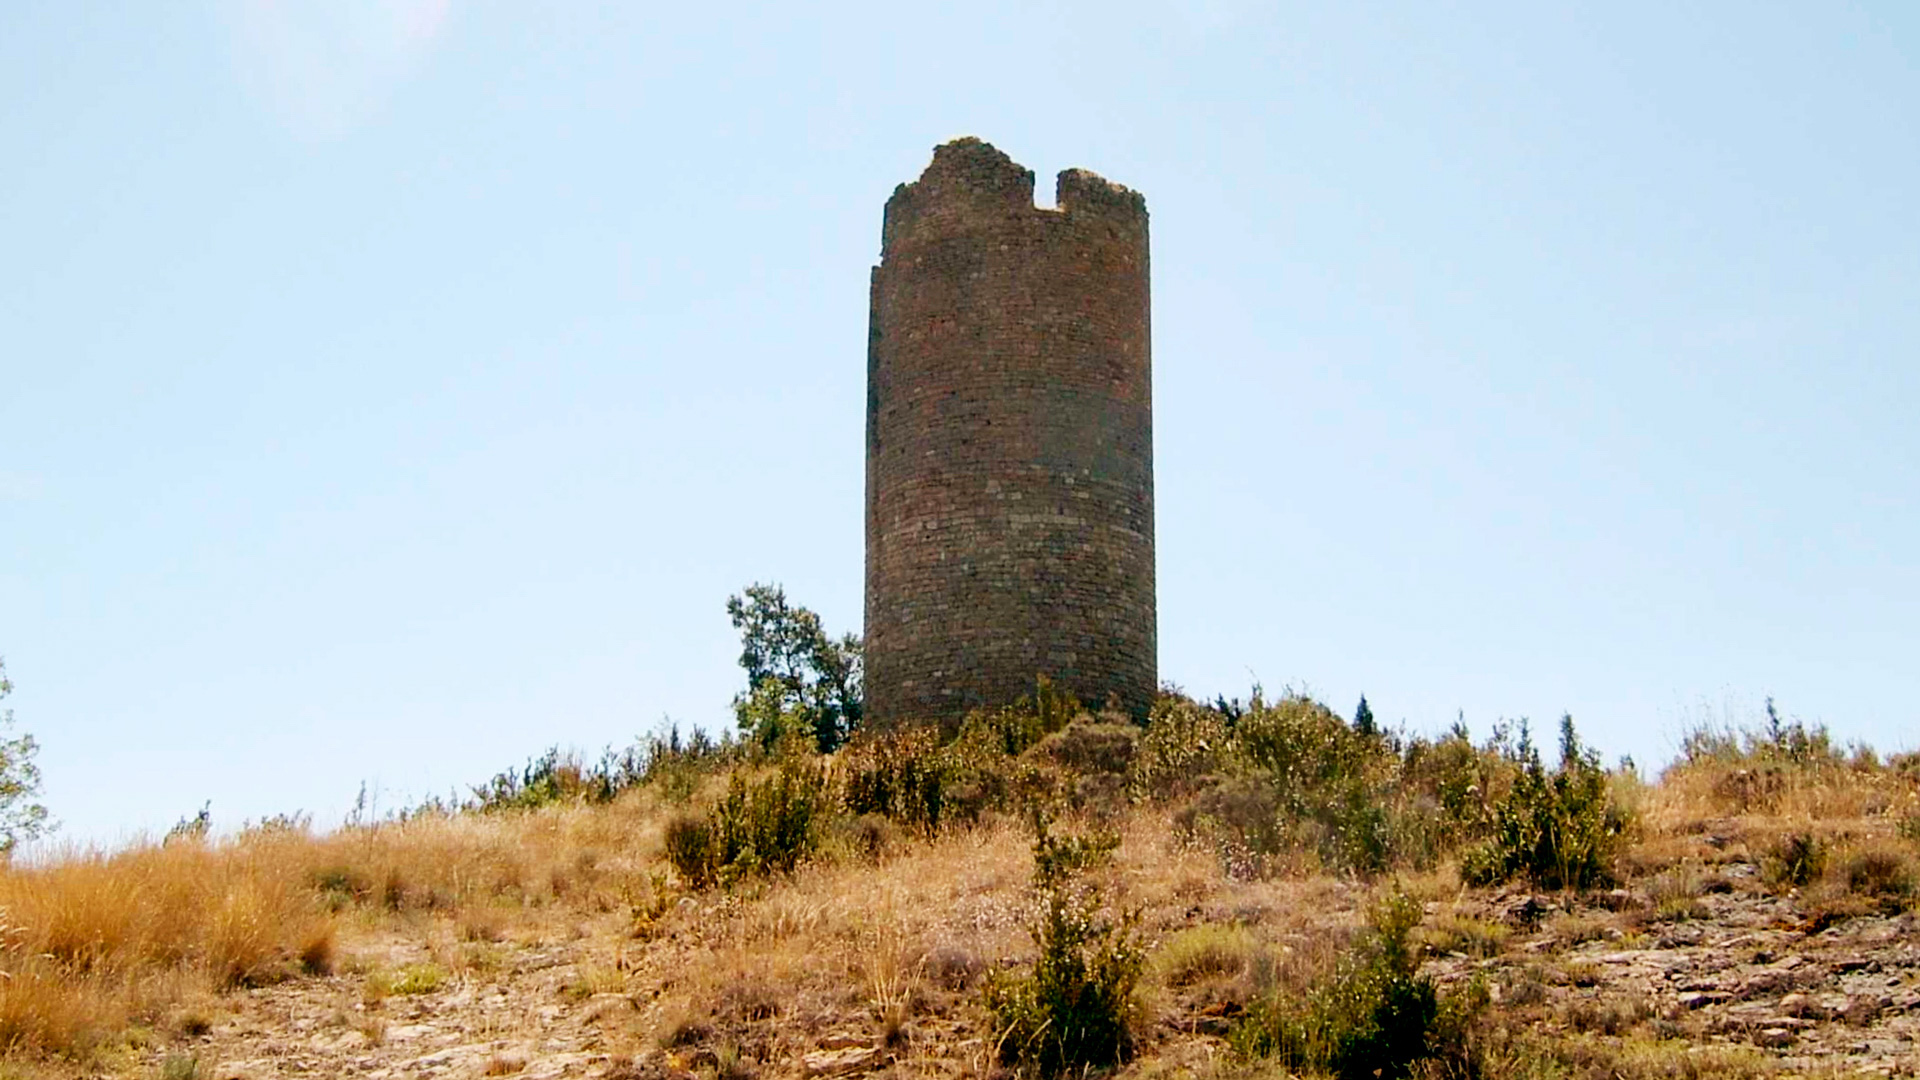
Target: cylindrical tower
(1009,443)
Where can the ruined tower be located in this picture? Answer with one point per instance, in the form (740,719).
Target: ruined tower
(1009,442)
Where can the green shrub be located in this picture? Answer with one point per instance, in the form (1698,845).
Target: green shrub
(901,775)
(1794,861)
(1180,749)
(417,979)
(1374,1017)
(1560,830)
(1778,742)
(1456,783)
(564,776)
(675,766)
(1056,859)
(693,850)
(555,776)
(759,826)
(982,776)
(1072,1009)
(1303,781)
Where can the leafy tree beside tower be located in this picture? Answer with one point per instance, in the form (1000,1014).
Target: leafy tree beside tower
(800,682)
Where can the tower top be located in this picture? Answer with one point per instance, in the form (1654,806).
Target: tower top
(970,178)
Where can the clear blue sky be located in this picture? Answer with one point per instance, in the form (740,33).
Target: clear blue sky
(389,390)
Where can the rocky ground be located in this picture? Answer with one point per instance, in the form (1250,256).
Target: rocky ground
(1713,976)
(1741,969)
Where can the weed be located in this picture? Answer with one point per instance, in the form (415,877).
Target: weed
(482,924)
(1201,953)
(180,1067)
(316,953)
(1072,1009)
(1057,858)
(417,979)
(1794,861)
(684,1029)
(954,967)
(594,979)
(1524,988)
(1909,827)
(1879,871)
(1374,1017)
(1610,1016)
(1468,937)
(892,988)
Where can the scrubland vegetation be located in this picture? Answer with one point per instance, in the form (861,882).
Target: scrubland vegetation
(1241,888)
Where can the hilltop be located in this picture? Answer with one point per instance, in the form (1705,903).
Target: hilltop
(1236,889)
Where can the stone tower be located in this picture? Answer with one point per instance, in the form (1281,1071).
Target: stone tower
(1009,443)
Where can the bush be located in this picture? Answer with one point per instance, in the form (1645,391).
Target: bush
(981,775)
(1794,861)
(1779,742)
(762,826)
(1057,859)
(1072,1009)
(1882,871)
(1179,750)
(1091,747)
(1300,782)
(1561,830)
(563,776)
(1909,827)
(1375,1017)
(1018,726)
(693,850)
(901,775)
(1458,783)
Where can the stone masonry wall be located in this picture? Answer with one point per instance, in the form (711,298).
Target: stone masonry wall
(1009,443)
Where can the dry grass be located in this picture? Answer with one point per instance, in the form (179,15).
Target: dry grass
(1754,809)
(92,943)
(885,943)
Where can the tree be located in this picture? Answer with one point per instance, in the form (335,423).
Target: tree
(1363,718)
(799,680)
(22,817)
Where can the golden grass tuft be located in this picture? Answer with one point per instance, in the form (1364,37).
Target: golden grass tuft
(1202,953)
